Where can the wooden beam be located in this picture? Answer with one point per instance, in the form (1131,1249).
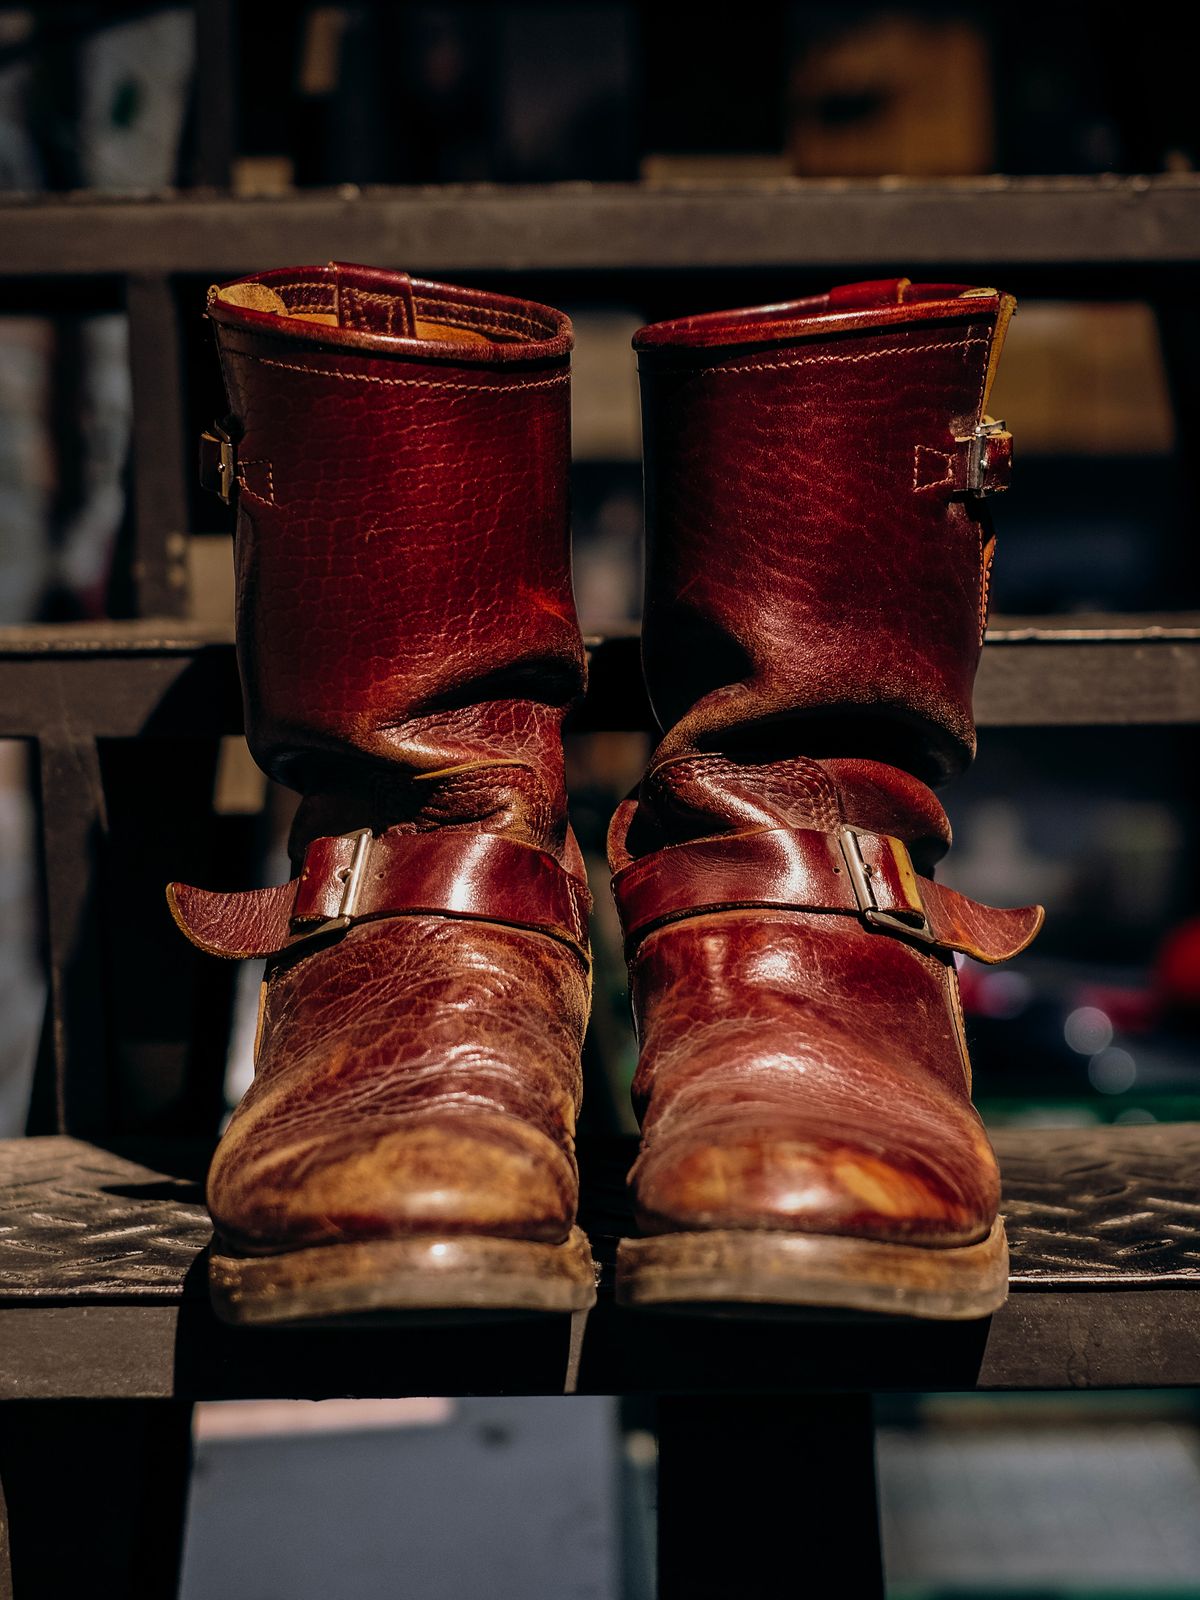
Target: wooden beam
(844,224)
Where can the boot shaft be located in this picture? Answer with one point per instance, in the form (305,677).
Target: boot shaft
(817,554)
(406,627)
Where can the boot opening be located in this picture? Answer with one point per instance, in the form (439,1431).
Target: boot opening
(331,305)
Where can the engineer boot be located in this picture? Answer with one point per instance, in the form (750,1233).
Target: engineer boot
(408,646)
(816,591)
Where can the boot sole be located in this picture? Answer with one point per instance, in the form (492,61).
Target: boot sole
(726,1268)
(455,1276)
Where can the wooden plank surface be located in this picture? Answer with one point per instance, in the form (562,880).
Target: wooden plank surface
(996,221)
(156,677)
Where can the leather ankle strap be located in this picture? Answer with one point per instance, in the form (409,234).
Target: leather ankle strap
(356,877)
(851,871)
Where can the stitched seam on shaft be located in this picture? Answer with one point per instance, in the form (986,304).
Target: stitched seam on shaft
(933,483)
(820,361)
(985,585)
(410,383)
(258,462)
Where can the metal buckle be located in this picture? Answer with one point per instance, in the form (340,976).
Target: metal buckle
(864,892)
(977,455)
(226,463)
(352,878)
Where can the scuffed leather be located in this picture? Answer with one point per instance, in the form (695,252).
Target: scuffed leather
(797,1072)
(815,599)
(408,647)
(422,1075)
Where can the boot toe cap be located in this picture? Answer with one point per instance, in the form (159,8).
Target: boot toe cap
(489,1174)
(797,1182)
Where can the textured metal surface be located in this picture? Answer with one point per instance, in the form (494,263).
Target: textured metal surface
(1085,1208)
(103,1294)
(1103,1206)
(78,1222)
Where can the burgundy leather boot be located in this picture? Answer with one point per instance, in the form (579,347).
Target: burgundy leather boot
(408,647)
(817,573)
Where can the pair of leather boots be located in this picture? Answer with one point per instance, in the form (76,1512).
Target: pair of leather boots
(816,592)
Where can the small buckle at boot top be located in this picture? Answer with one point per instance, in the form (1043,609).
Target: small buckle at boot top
(989,458)
(218,463)
(864,890)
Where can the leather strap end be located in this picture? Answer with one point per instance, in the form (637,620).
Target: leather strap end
(239,927)
(985,933)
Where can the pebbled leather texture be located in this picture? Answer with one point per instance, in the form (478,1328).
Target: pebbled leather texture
(408,646)
(812,454)
(421,1075)
(815,599)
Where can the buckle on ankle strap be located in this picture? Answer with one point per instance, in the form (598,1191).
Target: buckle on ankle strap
(860,875)
(845,871)
(351,879)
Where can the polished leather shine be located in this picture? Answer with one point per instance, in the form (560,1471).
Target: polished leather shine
(816,591)
(803,869)
(407,638)
(481,876)
(810,551)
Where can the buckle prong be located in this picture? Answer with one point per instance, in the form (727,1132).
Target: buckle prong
(864,890)
(352,881)
(978,442)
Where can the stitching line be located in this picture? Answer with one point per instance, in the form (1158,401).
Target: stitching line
(821,361)
(359,299)
(932,483)
(493,320)
(410,383)
(258,462)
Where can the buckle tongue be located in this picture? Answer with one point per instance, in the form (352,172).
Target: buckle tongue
(864,890)
(989,458)
(218,462)
(352,879)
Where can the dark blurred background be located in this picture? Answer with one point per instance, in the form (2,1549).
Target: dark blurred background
(1101,1021)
